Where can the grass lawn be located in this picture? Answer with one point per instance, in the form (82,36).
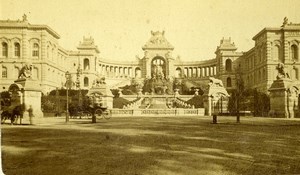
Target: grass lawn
(150,146)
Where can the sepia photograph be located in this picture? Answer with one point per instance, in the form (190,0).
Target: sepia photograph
(150,87)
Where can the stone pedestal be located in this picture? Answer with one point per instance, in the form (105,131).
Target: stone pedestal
(283,98)
(30,95)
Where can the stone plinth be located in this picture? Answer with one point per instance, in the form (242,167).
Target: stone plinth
(32,96)
(27,92)
(283,98)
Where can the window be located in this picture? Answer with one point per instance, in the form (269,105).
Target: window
(4,49)
(35,50)
(294,54)
(228,82)
(4,72)
(86,81)
(17,50)
(276,54)
(178,73)
(228,65)
(138,73)
(86,64)
(295,74)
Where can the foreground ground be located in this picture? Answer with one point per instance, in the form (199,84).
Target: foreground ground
(150,146)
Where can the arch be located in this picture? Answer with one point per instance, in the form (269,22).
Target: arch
(17,49)
(86,64)
(4,72)
(294,52)
(35,50)
(295,74)
(86,82)
(4,49)
(228,65)
(277,53)
(36,73)
(138,72)
(178,72)
(158,67)
(228,82)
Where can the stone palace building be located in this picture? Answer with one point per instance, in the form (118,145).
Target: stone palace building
(22,42)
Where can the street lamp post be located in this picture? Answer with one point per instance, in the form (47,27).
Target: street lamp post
(68,85)
(78,73)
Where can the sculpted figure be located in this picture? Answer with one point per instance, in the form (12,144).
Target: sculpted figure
(281,73)
(26,71)
(215,82)
(100,81)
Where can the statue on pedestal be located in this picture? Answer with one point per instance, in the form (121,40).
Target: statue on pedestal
(26,71)
(281,73)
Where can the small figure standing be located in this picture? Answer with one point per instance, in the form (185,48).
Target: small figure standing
(30,113)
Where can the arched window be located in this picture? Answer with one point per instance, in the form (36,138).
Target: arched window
(295,74)
(86,81)
(17,50)
(35,74)
(86,64)
(138,72)
(4,72)
(276,54)
(228,82)
(35,50)
(178,72)
(294,52)
(4,49)
(228,65)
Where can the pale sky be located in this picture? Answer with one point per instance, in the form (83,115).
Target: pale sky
(121,27)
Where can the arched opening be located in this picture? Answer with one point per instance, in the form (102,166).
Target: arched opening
(35,50)
(228,65)
(4,49)
(86,64)
(138,72)
(295,74)
(158,68)
(35,73)
(276,54)
(178,72)
(17,50)
(228,82)
(86,81)
(294,52)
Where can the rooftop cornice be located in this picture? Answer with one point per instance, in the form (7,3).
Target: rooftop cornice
(24,24)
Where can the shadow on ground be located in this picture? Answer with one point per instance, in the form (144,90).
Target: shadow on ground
(153,146)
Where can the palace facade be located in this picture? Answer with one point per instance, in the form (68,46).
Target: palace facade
(22,42)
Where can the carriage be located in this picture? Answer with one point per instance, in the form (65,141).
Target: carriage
(12,113)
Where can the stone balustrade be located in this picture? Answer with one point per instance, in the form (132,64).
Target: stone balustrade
(157,112)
